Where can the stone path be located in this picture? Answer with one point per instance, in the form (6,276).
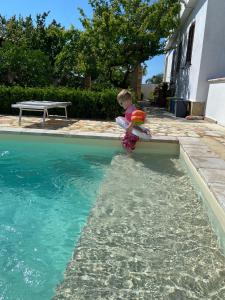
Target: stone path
(160,123)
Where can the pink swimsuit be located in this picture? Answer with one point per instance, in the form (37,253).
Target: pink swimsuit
(129,140)
(129,111)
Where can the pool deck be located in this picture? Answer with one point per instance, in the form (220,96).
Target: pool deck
(202,143)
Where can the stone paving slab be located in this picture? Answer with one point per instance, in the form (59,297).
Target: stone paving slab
(202,152)
(209,166)
(208,162)
(195,147)
(213,175)
(191,141)
(159,122)
(219,192)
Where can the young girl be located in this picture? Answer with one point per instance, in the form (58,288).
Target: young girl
(124,99)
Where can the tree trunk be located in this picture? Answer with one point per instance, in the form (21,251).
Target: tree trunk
(135,81)
(87,82)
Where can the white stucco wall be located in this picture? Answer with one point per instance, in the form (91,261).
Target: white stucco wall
(213,55)
(146,89)
(188,77)
(168,66)
(215,108)
(208,54)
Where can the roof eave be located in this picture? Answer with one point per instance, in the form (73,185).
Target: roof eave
(184,16)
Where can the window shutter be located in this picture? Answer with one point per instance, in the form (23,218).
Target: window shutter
(190,43)
(179,55)
(172,75)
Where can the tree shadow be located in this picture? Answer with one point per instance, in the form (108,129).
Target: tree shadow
(158,112)
(52,124)
(164,164)
(158,163)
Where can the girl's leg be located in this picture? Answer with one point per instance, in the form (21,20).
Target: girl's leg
(129,141)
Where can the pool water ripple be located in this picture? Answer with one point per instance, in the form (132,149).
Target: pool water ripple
(148,237)
(46,193)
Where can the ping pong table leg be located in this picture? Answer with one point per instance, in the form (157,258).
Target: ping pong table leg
(20,116)
(44,116)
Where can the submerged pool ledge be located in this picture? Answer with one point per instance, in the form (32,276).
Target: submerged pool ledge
(79,134)
(208,172)
(206,167)
(170,144)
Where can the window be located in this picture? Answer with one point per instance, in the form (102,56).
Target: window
(179,55)
(172,75)
(190,44)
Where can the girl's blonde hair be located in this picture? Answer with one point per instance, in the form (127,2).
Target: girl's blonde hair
(123,96)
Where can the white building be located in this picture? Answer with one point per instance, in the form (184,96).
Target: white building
(197,54)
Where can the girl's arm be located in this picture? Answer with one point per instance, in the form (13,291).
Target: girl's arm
(130,127)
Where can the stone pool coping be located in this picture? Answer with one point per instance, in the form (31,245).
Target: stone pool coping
(205,165)
(79,134)
(208,171)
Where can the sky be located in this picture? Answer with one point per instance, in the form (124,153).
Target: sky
(66,13)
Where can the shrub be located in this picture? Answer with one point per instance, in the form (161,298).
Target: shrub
(85,103)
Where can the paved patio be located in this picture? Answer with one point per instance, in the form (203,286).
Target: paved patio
(160,122)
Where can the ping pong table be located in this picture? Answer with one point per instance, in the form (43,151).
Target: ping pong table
(40,106)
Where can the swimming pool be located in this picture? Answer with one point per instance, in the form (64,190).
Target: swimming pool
(147,237)
(46,192)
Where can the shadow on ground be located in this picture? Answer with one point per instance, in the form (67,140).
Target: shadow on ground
(52,124)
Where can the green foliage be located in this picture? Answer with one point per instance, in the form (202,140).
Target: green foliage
(85,104)
(156,79)
(34,34)
(31,38)
(19,65)
(151,96)
(76,60)
(121,35)
(125,33)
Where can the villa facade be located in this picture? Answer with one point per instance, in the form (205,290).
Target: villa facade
(196,53)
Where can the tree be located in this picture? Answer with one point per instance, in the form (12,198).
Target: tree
(68,63)
(49,39)
(156,79)
(125,33)
(22,66)
(25,39)
(68,51)
(34,34)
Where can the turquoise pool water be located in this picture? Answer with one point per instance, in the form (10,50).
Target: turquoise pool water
(148,238)
(46,193)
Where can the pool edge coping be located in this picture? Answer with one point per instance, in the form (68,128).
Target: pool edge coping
(206,187)
(81,134)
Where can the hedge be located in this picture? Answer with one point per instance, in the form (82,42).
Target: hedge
(85,103)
